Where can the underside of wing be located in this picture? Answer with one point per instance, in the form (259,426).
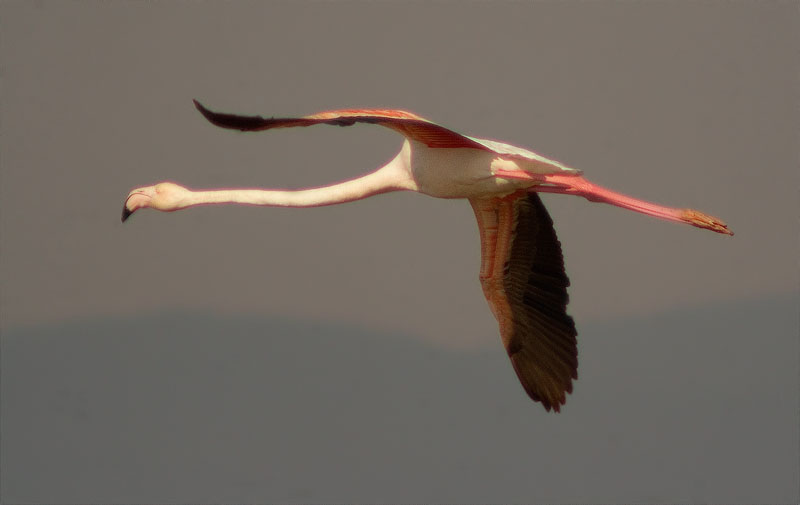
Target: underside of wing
(407,123)
(530,298)
(543,345)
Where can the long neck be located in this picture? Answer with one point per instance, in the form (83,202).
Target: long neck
(391,177)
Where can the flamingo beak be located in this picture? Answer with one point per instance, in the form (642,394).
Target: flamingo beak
(137,199)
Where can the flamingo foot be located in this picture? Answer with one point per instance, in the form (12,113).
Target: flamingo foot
(697,218)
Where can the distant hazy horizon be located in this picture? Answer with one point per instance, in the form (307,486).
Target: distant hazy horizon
(192,408)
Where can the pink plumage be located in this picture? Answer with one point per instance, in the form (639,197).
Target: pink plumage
(522,269)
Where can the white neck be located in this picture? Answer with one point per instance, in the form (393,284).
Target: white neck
(394,176)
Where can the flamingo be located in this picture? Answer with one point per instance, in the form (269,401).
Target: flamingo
(522,268)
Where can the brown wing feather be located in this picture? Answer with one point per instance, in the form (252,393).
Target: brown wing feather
(542,344)
(406,123)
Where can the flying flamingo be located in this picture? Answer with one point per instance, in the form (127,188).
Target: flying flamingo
(522,269)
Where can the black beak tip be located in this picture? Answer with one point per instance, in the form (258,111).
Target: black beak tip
(126,213)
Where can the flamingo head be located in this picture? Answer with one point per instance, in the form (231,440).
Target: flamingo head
(164,196)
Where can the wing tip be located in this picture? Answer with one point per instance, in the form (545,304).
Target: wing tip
(208,114)
(214,118)
(202,108)
(549,404)
(231,121)
(551,398)
(555,403)
(544,385)
(197,103)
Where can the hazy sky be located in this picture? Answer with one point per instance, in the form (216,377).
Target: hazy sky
(690,104)
(684,104)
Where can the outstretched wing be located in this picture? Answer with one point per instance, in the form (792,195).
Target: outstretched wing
(524,281)
(406,123)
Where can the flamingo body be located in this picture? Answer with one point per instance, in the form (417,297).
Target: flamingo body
(522,269)
(460,173)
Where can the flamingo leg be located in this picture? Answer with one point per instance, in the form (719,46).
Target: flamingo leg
(577,185)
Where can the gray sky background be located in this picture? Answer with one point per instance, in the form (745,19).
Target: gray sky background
(686,104)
